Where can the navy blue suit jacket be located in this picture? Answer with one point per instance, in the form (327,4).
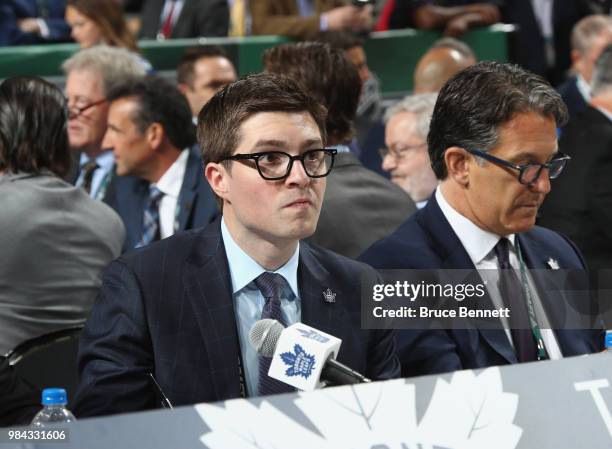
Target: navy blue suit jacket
(572,97)
(167,309)
(197,205)
(13,10)
(427,241)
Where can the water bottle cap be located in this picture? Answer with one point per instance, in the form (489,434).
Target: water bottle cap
(54,396)
(608,339)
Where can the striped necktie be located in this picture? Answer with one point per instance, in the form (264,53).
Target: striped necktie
(150,220)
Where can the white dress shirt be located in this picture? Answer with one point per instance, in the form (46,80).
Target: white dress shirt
(170,185)
(480,244)
(101,176)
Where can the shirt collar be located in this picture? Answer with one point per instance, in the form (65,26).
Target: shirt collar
(477,242)
(243,269)
(170,183)
(105,160)
(583,87)
(342,148)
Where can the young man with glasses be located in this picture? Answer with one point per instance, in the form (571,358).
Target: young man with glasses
(493,146)
(90,75)
(183,307)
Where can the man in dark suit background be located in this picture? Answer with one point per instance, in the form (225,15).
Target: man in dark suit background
(27,22)
(90,75)
(493,146)
(152,137)
(361,206)
(580,205)
(589,37)
(177,19)
(181,308)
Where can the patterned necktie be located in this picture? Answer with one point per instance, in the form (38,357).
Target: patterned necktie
(271,286)
(512,293)
(150,221)
(88,171)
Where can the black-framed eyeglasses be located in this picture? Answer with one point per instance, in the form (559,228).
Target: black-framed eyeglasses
(275,165)
(75,111)
(401,153)
(529,173)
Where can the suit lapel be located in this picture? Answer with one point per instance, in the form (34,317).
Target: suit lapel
(207,287)
(313,279)
(454,256)
(188,194)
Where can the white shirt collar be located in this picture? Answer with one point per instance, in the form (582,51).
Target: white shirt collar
(583,87)
(477,242)
(170,183)
(243,269)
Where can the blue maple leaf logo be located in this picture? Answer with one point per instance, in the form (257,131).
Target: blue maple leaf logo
(299,362)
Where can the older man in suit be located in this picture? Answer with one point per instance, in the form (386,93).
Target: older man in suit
(176,19)
(182,308)
(580,206)
(152,137)
(304,18)
(493,146)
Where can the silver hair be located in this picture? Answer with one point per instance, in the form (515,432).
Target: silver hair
(587,29)
(422,105)
(602,72)
(455,44)
(113,65)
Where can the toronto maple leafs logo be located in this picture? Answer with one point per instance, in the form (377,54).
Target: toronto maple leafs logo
(300,363)
(329,295)
(313,335)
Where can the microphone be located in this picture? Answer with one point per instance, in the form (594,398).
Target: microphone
(302,356)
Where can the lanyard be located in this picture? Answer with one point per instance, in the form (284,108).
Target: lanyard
(533,322)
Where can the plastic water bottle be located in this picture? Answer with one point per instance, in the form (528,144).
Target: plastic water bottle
(54,410)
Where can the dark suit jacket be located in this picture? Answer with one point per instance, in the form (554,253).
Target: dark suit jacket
(360,207)
(427,241)
(198,18)
(168,309)
(282,17)
(13,10)
(128,196)
(527,44)
(580,202)
(572,97)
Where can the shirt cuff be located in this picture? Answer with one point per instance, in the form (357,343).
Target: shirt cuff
(323,22)
(44,28)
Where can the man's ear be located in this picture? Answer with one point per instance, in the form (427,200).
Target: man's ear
(217,176)
(155,135)
(457,165)
(184,88)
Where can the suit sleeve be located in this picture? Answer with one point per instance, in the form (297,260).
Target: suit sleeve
(212,18)
(269,19)
(115,351)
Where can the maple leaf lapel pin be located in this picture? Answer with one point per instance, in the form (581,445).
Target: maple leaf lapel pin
(552,264)
(329,296)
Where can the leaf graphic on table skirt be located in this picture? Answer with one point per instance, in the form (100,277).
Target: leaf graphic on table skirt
(241,425)
(364,415)
(470,412)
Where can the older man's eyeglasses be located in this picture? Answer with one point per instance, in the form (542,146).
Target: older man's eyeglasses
(76,110)
(528,173)
(275,165)
(400,153)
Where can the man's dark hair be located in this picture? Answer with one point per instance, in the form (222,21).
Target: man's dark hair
(33,127)
(475,102)
(185,67)
(220,119)
(161,102)
(324,73)
(344,40)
